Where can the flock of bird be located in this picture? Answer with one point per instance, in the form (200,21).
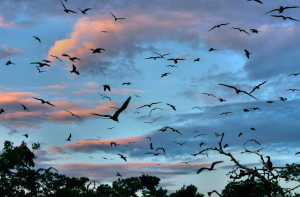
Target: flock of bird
(176,60)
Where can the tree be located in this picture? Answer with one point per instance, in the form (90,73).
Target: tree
(190,191)
(19,178)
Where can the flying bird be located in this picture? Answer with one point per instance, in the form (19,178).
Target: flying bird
(113,143)
(226,145)
(283,99)
(118,174)
(252,140)
(106,87)
(24,107)
(38,39)
(174,130)
(116,17)
(137,96)
(110,128)
(26,135)
(116,115)
(196,107)
(74,70)
(258,1)
(56,57)
(155,154)
(241,30)
(221,100)
(212,49)
(176,60)
(127,83)
(149,138)
(246,110)
(164,75)
(98,50)
(211,167)
(270,102)
(284,17)
(84,11)
(295,74)
(255,31)
(106,97)
(247,53)
(255,108)
(69,138)
(173,107)
(149,105)
(197,59)
(154,109)
(218,26)
(257,87)
(1,111)
(71,58)
(202,143)
(171,66)
(281,9)
(209,94)
(41,64)
(292,90)
(151,147)
(238,91)
(150,122)
(218,135)
(198,135)
(122,157)
(73,114)
(8,63)
(47,61)
(240,134)
(162,56)
(43,101)
(181,143)
(225,113)
(66,10)
(161,149)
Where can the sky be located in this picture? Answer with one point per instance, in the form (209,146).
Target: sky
(174,27)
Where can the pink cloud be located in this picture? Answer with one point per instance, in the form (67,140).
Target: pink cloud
(6,23)
(84,92)
(91,85)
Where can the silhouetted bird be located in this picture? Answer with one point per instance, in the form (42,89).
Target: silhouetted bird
(164,75)
(73,114)
(209,94)
(257,87)
(254,31)
(255,108)
(122,157)
(252,140)
(281,9)
(295,74)
(284,18)
(221,100)
(247,53)
(211,167)
(137,96)
(175,60)
(113,143)
(246,110)
(150,122)
(149,105)
(162,56)
(269,164)
(47,61)
(161,149)
(240,134)
(41,64)
(84,11)
(116,17)
(181,143)
(196,107)
(253,129)
(43,101)
(171,66)
(212,49)
(38,39)
(240,30)
(283,99)
(66,10)
(218,26)
(173,107)
(115,116)
(226,145)
(297,153)
(106,97)
(56,57)
(26,135)
(258,1)
(270,102)
(202,143)
(74,70)
(24,107)
(98,50)
(8,63)
(69,138)
(106,87)
(292,90)
(149,138)
(197,59)
(218,135)
(238,91)
(151,147)
(225,113)
(1,111)
(155,154)
(104,31)
(174,130)
(118,174)
(126,83)
(71,58)
(198,135)
(154,109)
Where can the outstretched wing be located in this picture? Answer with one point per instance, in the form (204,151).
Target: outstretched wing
(212,28)
(124,106)
(227,86)
(271,11)
(113,15)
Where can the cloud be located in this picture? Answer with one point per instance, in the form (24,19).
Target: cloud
(59,87)
(6,23)
(7,51)
(91,85)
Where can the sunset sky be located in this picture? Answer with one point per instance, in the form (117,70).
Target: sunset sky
(180,28)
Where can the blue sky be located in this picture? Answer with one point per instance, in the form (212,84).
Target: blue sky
(175,27)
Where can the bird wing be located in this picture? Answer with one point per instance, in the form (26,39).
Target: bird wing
(236,28)
(258,1)
(212,28)
(86,9)
(246,142)
(63,5)
(66,55)
(50,104)
(225,24)
(214,163)
(271,11)
(115,116)
(245,31)
(101,115)
(228,86)
(278,16)
(292,19)
(142,106)
(38,99)
(74,68)
(262,83)
(256,142)
(113,15)
(155,103)
(201,169)
(248,94)
(70,136)
(121,18)
(291,7)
